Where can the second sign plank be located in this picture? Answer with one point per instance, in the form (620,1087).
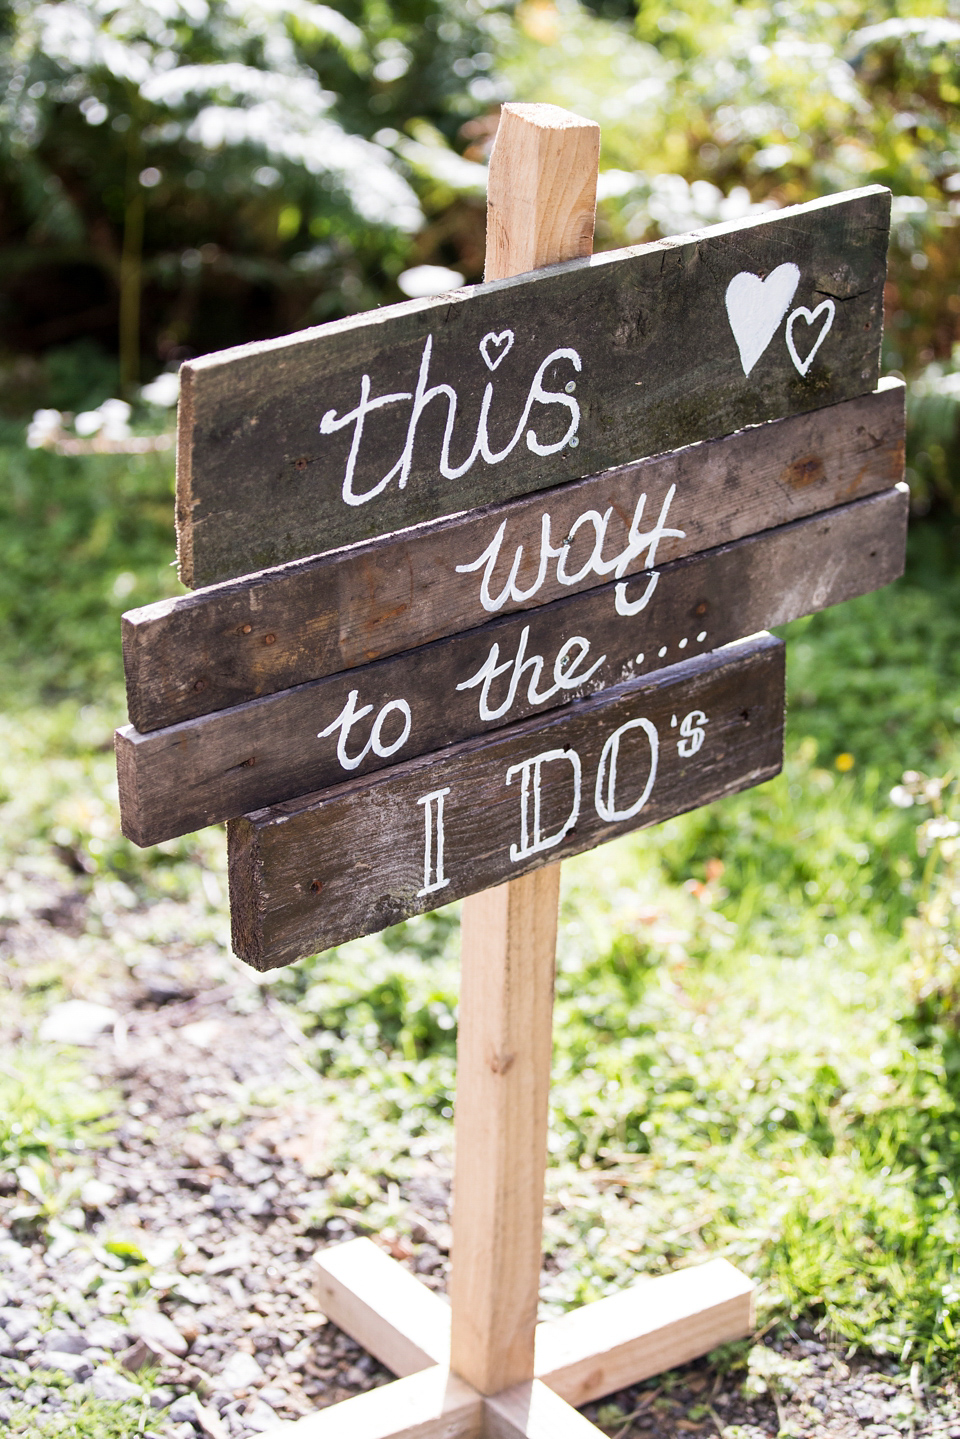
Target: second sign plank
(324,869)
(237,641)
(210,769)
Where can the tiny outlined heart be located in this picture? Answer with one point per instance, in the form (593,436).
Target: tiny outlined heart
(826,307)
(495,342)
(755,308)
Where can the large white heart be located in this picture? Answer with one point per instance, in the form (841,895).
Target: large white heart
(755,308)
(826,307)
(494,342)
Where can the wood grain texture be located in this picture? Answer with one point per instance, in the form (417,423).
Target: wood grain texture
(234,642)
(203,771)
(541,189)
(259,484)
(647,1329)
(541,210)
(532,1411)
(317,871)
(432,1405)
(504,1048)
(394,1316)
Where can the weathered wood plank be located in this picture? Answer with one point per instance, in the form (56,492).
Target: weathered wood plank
(203,771)
(223,646)
(317,871)
(295,446)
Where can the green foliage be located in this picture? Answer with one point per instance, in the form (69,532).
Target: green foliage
(214,171)
(47,1108)
(81,1417)
(709,108)
(81,540)
(712,111)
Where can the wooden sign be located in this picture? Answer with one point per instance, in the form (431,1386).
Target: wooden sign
(235,641)
(209,769)
(318,871)
(478,571)
(385,420)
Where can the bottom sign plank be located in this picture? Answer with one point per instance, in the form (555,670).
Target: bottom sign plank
(317,871)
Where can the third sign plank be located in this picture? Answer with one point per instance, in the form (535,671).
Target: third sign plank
(206,770)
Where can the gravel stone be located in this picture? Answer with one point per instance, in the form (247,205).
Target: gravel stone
(107,1334)
(260,1418)
(77,1021)
(77,1366)
(156,1328)
(184,1409)
(109,1385)
(240,1371)
(18,1323)
(65,1341)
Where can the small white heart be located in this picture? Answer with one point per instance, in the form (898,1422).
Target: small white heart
(755,308)
(492,341)
(826,307)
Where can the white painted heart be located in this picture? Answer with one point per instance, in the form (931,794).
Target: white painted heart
(826,307)
(494,342)
(755,308)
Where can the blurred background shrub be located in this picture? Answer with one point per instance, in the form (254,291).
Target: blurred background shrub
(177,177)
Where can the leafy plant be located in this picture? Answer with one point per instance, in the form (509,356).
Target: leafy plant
(188,174)
(47,1109)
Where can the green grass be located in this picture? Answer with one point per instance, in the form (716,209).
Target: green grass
(81,1417)
(47,1107)
(758,1004)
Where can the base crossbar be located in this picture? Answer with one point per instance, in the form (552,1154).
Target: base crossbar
(652,1326)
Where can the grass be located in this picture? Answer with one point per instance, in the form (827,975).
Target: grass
(758,1005)
(47,1107)
(81,1417)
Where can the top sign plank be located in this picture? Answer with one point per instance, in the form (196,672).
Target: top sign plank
(373,424)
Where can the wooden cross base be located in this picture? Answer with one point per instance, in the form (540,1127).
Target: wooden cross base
(654,1325)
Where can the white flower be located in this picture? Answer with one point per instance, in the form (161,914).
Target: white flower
(43,427)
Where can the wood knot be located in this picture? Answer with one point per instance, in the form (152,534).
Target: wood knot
(806,471)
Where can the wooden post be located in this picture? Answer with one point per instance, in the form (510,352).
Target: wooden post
(485,1347)
(540,211)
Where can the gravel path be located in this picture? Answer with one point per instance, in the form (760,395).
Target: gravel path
(176,1278)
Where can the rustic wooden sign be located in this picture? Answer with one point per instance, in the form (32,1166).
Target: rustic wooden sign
(317,871)
(209,769)
(222,646)
(479,662)
(366,426)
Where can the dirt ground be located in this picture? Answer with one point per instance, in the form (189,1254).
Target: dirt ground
(219,1194)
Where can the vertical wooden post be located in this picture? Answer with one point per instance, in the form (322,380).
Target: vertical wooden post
(540,210)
